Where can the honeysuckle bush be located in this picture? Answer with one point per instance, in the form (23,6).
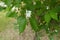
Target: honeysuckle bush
(42,14)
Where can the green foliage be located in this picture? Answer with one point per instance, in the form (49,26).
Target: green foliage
(45,13)
(53,15)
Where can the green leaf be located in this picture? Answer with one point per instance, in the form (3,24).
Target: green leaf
(57,8)
(23,11)
(1,8)
(39,12)
(27,1)
(51,37)
(53,15)
(30,7)
(59,17)
(8,2)
(34,24)
(47,17)
(11,14)
(16,3)
(22,23)
(38,4)
(52,3)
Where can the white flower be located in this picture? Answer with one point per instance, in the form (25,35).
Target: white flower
(41,2)
(56,30)
(5,6)
(2,4)
(48,29)
(34,3)
(28,13)
(47,7)
(14,9)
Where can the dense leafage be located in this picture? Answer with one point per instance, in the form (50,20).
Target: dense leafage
(48,10)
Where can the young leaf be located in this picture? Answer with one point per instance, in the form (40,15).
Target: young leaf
(53,15)
(22,23)
(47,17)
(34,24)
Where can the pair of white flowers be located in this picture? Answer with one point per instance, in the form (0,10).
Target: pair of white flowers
(14,9)
(2,4)
(28,12)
